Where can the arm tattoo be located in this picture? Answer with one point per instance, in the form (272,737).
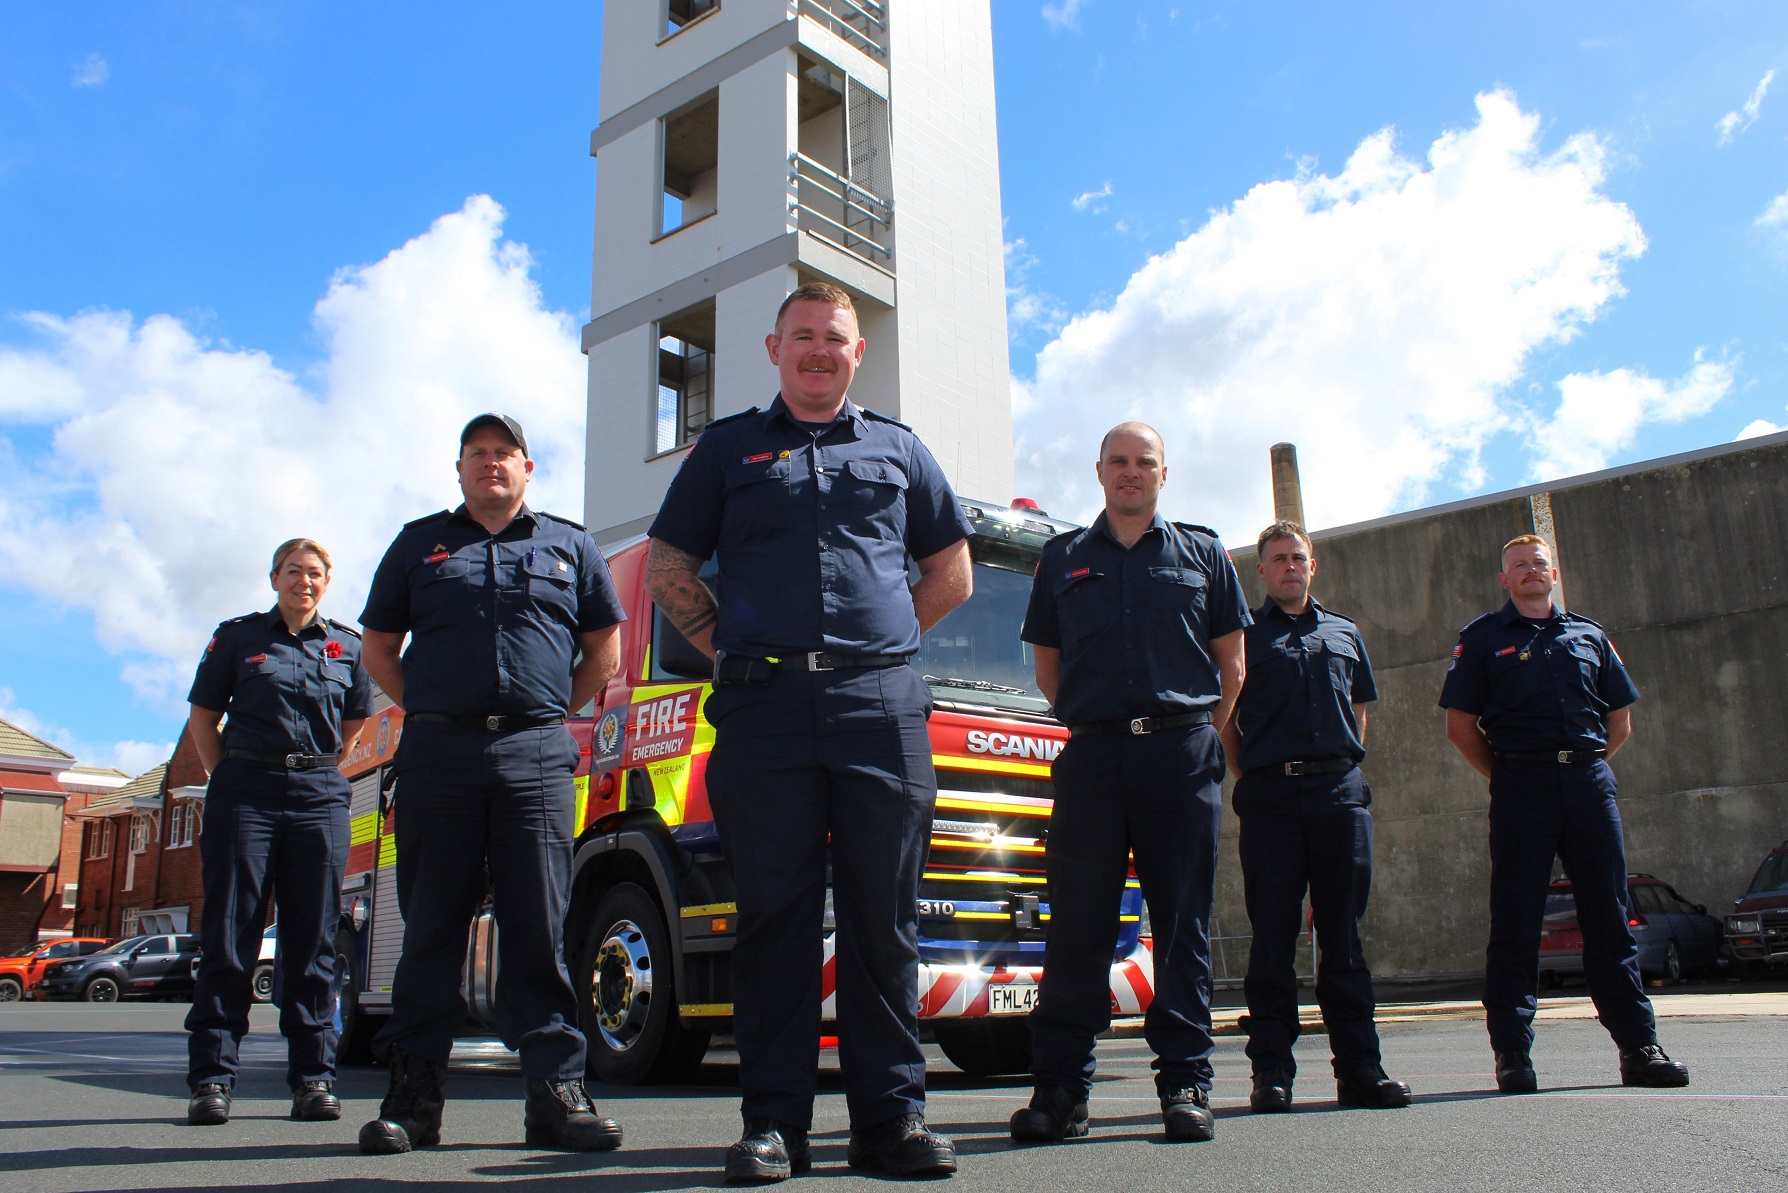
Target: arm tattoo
(673,579)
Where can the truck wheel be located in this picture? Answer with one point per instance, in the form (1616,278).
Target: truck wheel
(11,990)
(357,1028)
(262,982)
(101,990)
(627,998)
(985,1047)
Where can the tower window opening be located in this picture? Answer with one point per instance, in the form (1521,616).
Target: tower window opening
(685,397)
(679,14)
(691,152)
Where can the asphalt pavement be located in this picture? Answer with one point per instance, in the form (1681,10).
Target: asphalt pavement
(93,1097)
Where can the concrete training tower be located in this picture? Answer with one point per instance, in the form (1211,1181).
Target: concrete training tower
(747,146)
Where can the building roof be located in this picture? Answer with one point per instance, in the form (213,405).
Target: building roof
(16,741)
(95,780)
(26,782)
(144,789)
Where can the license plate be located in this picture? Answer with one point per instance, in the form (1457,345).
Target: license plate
(1010,1000)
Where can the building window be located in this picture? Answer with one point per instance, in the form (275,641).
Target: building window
(685,398)
(679,13)
(690,141)
(183,824)
(71,895)
(99,838)
(127,923)
(140,835)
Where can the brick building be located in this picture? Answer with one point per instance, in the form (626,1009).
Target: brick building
(31,807)
(83,784)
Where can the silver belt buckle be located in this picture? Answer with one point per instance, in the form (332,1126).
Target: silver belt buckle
(813,663)
(1137,727)
(1564,756)
(493,723)
(1291,770)
(294,761)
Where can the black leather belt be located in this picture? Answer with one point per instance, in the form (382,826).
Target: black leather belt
(1562,757)
(1141,725)
(1307,766)
(737,670)
(288,761)
(499,724)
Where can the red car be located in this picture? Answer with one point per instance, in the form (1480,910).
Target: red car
(1674,936)
(1757,926)
(19,972)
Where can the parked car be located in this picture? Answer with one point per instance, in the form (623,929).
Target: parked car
(1674,936)
(263,979)
(140,967)
(1757,926)
(21,971)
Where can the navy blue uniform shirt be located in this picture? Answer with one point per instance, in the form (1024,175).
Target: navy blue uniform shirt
(284,693)
(493,619)
(1539,687)
(1135,624)
(813,527)
(1305,674)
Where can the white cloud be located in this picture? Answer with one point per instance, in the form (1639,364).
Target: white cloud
(1092,200)
(1063,13)
(1756,427)
(175,465)
(1026,307)
(131,757)
(1599,414)
(1376,318)
(91,71)
(1775,213)
(1733,123)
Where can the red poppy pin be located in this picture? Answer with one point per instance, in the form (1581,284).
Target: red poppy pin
(332,649)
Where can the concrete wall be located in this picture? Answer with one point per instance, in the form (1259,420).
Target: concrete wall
(1685,563)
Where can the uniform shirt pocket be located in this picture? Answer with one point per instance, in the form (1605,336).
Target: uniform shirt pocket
(551,580)
(441,591)
(871,488)
(1083,606)
(757,498)
(1179,591)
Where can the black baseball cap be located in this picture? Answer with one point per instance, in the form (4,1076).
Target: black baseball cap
(503,423)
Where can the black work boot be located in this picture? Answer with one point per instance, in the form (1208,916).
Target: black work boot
(315,1102)
(1370,1089)
(560,1116)
(410,1115)
(768,1151)
(1649,1066)
(1272,1092)
(902,1146)
(1053,1115)
(1186,1114)
(209,1105)
(1514,1072)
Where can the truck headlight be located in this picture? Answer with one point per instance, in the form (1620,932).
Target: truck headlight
(1740,925)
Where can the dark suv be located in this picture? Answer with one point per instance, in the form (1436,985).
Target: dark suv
(142,966)
(1757,926)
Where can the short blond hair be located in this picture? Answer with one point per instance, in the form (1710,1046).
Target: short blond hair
(292,546)
(816,292)
(1525,540)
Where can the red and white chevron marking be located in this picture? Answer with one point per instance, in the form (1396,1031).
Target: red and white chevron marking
(960,991)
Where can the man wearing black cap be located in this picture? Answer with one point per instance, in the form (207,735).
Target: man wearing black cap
(512,621)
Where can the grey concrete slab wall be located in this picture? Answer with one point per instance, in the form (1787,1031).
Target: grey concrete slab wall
(1686,565)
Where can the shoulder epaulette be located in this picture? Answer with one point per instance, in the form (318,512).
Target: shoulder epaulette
(1197,529)
(233,620)
(1474,623)
(343,626)
(437,515)
(563,521)
(882,418)
(1575,616)
(727,418)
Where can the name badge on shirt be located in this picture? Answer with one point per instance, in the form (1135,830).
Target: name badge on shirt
(255,658)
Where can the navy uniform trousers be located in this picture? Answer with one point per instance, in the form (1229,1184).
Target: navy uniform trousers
(269,832)
(839,754)
(1307,832)
(1159,796)
(1539,810)
(467,799)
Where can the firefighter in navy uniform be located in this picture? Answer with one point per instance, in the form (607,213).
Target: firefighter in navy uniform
(276,820)
(1537,701)
(513,621)
(1295,746)
(815,507)
(1136,624)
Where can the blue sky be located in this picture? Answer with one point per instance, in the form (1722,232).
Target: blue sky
(1562,254)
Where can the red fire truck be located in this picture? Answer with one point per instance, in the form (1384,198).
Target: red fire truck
(651,924)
